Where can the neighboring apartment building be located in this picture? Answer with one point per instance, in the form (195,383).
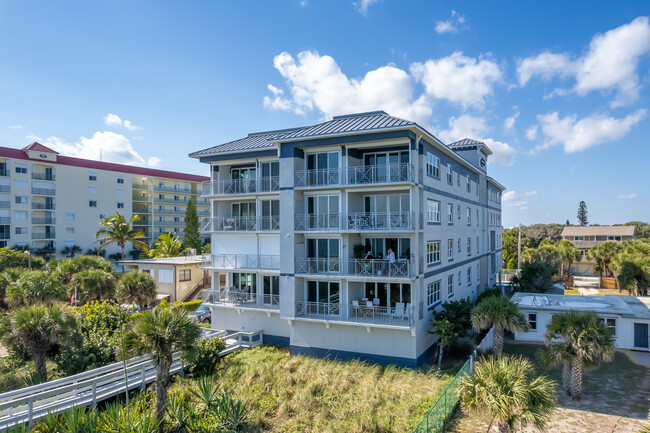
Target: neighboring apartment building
(295,213)
(589,236)
(49,202)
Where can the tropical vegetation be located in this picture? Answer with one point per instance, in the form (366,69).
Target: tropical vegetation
(191,235)
(136,287)
(501,313)
(452,322)
(632,267)
(168,245)
(117,229)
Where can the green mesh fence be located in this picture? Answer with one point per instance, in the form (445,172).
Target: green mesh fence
(434,421)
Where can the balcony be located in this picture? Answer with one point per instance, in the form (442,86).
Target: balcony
(43,176)
(142,187)
(363,175)
(357,222)
(241,224)
(50,235)
(241,261)
(174,190)
(43,221)
(5,220)
(399,316)
(240,186)
(355,267)
(169,223)
(4,204)
(170,200)
(587,244)
(43,206)
(5,188)
(237,298)
(43,191)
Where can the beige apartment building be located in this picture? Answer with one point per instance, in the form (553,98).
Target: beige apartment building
(49,202)
(587,237)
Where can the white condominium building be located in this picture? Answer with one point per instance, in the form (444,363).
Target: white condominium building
(49,202)
(340,239)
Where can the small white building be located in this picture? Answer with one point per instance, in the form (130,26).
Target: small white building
(627,316)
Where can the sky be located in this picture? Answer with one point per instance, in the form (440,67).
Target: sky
(560,91)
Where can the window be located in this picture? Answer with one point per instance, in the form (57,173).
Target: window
(433,165)
(469,276)
(450,213)
(433,211)
(120,179)
(450,179)
(20,168)
(477,246)
(477,217)
(469,184)
(610,322)
(21,199)
(102,216)
(160,196)
(21,230)
(120,205)
(433,252)
(469,246)
(69,230)
(450,249)
(120,192)
(433,293)
(185,275)
(166,276)
(176,186)
(161,184)
(92,203)
(21,215)
(450,285)
(469,216)
(69,216)
(532,321)
(459,279)
(92,176)
(92,190)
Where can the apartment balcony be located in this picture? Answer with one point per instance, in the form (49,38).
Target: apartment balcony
(356,222)
(240,299)
(5,220)
(398,316)
(5,188)
(174,190)
(241,224)
(43,221)
(41,236)
(359,268)
(170,201)
(240,186)
(587,244)
(43,176)
(141,187)
(5,204)
(43,191)
(241,261)
(169,223)
(355,176)
(43,206)
(4,172)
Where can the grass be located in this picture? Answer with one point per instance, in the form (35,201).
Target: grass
(13,376)
(300,394)
(576,292)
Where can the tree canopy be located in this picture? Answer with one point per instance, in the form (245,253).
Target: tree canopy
(583,219)
(191,235)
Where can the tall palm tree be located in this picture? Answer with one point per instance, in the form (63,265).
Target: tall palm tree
(508,389)
(138,287)
(38,327)
(160,333)
(501,313)
(603,254)
(117,229)
(167,245)
(587,338)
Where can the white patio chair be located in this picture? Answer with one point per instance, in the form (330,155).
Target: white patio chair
(399,310)
(375,302)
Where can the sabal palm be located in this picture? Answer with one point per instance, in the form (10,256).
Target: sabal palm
(559,354)
(160,333)
(508,389)
(587,338)
(93,284)
(117,229)
(501,313)
(38,327)
(167,245)
(603,254)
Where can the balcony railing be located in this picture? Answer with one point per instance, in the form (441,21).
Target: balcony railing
(241,261)
(233,298)
(376,315)
(587,244)
(240,186)
(47,206)
(50,235)
(41,221)
(169,200)
(43,191)
(4,172)
(174,190)
(5,220)
(245,224)
(43,176)
(355,267)
(359,221)
(142,187)
(5,188)
(362,175)
(4,204)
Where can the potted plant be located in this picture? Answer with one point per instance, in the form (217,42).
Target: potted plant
(358,250)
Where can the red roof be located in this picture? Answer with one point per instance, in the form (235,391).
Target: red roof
(8,152)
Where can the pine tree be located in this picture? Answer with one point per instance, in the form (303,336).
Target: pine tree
(582,214)
(191,237)
(568,223)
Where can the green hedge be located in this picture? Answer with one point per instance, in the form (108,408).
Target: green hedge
(188,306)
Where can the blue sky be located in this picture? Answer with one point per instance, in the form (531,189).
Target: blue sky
(559,90)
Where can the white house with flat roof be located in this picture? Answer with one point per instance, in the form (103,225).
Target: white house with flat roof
(627,316)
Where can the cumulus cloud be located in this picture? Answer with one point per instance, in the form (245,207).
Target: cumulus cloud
(627,196)
(16,127)
(114,120)
(363,5)
(609,65)
(529,193)
(456,78)
(509,123)
(512,199)
(154,161)
(577,135)
(531,133)
(451,25)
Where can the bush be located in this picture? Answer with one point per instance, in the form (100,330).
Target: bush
(188,306)
(206,357)
(34,287)
(18,259)
(494,291)
(535,277)
(138,287)
(65,269)
(92,284)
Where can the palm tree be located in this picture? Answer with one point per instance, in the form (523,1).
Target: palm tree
(508,389)
(501,313)
(167,245)
(116,229)
(603,254)
(160,333)
(93,284)
(587,338)
(137,287)
(632,266)
(559,354)
(39,328)
(71,251)
(35,287)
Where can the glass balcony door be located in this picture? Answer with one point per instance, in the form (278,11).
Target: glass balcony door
(387,166)
(271,290)
(323,211)
(270,176)
(323,297)
(380,246)
(243,217)
(324,255)
(323,168)
(270,214)
(243,180)
(386,211)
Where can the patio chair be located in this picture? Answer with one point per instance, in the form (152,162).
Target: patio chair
(407,309)
(355,308)
(228,224)
(364,299)
(399,310)
(375,302)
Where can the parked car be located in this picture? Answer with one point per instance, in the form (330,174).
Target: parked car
(201,314)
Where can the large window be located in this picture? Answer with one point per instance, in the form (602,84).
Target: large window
(469,276)
(469,246)
(450,178)
(324,292)
(433,211)
(433,252)
(450,213)
(433,293)
(271,290)
(323,168)
(610,322)
(166,276)
(184,275)
(469,216)
(244,282)
(450,285)
(433,165)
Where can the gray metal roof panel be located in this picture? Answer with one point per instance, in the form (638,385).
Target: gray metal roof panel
(466,142)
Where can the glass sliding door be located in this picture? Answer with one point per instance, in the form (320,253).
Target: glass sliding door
(271,290)
(323,168)
(323,255)
(270,214)
(270,180)
(323,212)
(323,297)
(387,166)
(243,180)
(243,217)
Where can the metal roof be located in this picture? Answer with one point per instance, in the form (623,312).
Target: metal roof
(466,142)
(599,231)
(256,140)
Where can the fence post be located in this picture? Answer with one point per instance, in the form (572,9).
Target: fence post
(94,401)
(143,384)
(30,408)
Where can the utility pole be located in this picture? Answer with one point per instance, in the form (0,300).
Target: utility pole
(519,249)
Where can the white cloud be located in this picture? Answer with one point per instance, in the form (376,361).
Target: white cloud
(303,3)
(275,90)
(609,66)
(363,5)
(502,153)
(459,79)
(16,127)
(451,25)
(512,199)
(317,83)
(577,135)
(531,133)
(508,196)
(509,123)
(154,161)
(114,120)
(627,197)
(529,193)
(131,127)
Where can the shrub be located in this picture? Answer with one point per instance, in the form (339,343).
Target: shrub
(137,287)
(206,357)
(494,291)
(536,277)
(67,268)
(18,259)
(188,306)
(34,287)
(92,284)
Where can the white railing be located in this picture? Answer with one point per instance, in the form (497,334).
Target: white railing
(240,298)
(30,404)
(587,244)
(362,175)
(252,223)
(357,221)
(355,267)
(402,316)
(240,186)
(508,274)
(241,261)
(488,341)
